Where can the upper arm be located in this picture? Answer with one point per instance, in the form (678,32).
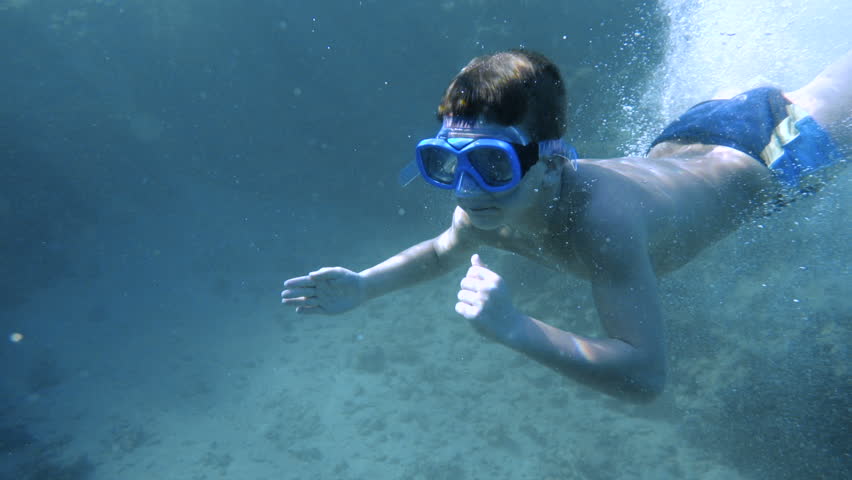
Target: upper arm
(624,286)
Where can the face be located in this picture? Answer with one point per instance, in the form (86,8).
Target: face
(488,210)
(484,208)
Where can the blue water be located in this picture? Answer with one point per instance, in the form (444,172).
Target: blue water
(165,165)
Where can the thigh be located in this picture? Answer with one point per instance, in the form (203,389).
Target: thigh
(828,97)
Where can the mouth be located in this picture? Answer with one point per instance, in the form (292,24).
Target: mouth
(481,209)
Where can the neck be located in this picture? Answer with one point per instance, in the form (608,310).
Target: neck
(546,208)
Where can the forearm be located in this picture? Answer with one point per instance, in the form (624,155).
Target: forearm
(609,365)
(409,267)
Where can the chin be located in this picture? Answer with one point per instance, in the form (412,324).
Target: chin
(487,219)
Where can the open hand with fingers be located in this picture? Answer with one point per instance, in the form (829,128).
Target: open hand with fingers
(485,300)
(329,290)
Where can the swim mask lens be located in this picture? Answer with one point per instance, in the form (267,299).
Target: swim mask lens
(494,164)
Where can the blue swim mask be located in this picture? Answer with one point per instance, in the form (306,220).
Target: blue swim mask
(494,157)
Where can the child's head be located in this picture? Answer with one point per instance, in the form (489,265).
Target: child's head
(517,87)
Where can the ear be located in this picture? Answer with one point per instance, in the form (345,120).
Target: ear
(552,162)
(558,151)
(552,170)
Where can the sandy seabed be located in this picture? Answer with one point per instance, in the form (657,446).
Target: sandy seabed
(211,378)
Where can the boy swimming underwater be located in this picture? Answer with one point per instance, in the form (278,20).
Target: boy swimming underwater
(617,222)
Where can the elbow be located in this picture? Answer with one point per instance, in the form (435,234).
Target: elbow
(645,385)
(648,381)
(644,390)
(640,388)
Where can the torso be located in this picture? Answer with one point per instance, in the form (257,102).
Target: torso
(553,249)
(679,201)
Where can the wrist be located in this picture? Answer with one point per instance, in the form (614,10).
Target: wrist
(365,286)
(514,329)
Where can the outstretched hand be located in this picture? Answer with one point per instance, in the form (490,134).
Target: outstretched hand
(485,300)
(329,290)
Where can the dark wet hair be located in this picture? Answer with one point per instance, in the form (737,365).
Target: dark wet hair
(508,88)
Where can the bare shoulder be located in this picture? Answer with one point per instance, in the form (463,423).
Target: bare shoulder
(613,254)
(611,223)
(609,193)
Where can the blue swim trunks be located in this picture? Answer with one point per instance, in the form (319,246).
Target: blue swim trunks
(764,125)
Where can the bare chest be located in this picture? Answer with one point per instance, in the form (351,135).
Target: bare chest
(554,250)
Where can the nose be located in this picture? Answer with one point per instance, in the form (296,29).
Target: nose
(467,186)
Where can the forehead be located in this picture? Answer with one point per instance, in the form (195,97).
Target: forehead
(467,128)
